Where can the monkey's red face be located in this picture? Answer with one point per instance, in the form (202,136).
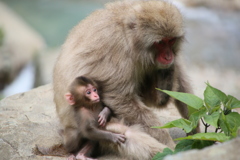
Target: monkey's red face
(92,94)
(164,55)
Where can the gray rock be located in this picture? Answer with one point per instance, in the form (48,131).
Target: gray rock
(26,120)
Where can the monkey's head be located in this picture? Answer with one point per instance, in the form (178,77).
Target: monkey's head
(82,92)
(157,30)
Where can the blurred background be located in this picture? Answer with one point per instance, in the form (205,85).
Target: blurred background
(32,32)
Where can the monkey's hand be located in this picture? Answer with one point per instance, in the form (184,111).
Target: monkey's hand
(102,120)
(103,116)
(71,157)
(118,138)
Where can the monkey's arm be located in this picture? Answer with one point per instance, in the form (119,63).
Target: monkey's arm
(136,112)
(96,134)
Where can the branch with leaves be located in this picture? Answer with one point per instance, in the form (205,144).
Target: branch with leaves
(216,109)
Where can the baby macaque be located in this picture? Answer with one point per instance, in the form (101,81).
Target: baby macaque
(91,116)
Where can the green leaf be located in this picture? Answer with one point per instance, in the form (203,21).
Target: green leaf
(196,116)
(188,144)
(212,119)
(191,110)
(235,133)
(189,99)
(180,123)
(235,103)
(184,145)
(223,124)
(233,121)
(230,123)
(213,97)
(200,144)
(160,156)
(217,137)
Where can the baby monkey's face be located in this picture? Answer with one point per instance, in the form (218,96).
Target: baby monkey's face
(92,93)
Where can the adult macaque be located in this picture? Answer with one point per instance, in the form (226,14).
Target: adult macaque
(131,48)
(90,115)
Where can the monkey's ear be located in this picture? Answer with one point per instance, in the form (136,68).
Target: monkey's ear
(70,99)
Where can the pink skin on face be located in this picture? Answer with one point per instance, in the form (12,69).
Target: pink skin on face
(165,55)
(92,94)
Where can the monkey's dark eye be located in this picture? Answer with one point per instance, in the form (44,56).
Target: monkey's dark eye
(88,92)
(94,90)
(172,41)
(160,42)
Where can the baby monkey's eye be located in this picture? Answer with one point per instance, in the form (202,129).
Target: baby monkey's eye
(94,90)
(88,92)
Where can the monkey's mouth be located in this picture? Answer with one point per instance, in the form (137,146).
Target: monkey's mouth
(165,58)
(97,100)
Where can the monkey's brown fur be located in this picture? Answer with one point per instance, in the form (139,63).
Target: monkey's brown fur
(114,47)
(83,96)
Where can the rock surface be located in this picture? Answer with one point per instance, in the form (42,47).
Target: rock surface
(26,120)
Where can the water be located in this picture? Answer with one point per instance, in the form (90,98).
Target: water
(53,18)
(23,82)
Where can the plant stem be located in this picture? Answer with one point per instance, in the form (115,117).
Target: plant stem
(205,124)
(227,111)
(216,131)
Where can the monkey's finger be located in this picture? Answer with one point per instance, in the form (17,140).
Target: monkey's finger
(100,117)
(122,138)
(101,124)
(100,120)
(104,123)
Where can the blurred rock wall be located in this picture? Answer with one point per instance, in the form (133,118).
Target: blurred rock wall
(19,44)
